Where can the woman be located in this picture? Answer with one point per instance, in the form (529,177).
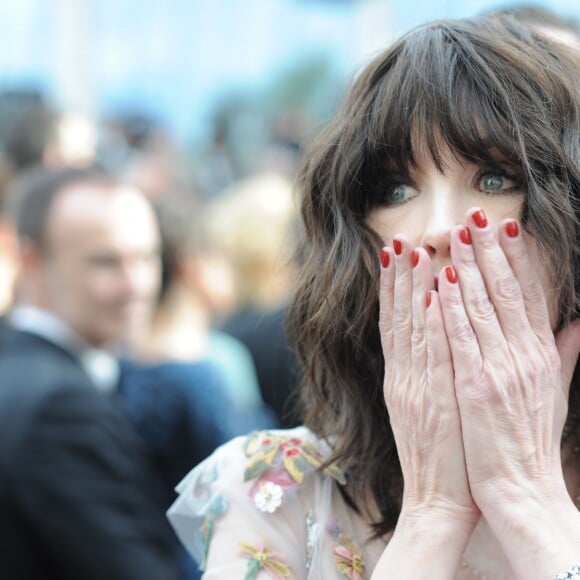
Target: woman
(458,152)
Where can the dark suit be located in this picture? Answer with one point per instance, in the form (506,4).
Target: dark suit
(75,492)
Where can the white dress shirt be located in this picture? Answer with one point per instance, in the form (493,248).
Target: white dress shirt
(101,366)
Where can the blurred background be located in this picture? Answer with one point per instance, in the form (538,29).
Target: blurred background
(206,107)
(221,77)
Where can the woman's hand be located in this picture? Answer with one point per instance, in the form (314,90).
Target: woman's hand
(419,389)
(507,366)
(438,513)
(511,383)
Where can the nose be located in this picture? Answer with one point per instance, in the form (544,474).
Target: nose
(436,236)
(436,243)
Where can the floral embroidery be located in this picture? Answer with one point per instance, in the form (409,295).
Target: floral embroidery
(269,497)
(201,483)
(347,556)
(207,511)
(260,558)
(283,461)
(216,509)
(348,559)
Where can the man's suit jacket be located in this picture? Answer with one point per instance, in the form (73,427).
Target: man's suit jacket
(75,492)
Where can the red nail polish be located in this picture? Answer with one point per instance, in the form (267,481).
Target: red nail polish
(451,274)
(512,229)
(414,258)
(428,299)
(479,218)
(465,236)
(385,258)
(398,247)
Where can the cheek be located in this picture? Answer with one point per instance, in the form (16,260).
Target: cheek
(67,282)
(381,222)
(100,286)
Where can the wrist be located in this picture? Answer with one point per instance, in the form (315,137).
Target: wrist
(440,512)
(435,535)
(453,520)
(539,533)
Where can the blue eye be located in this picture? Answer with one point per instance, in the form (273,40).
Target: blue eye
(398,193)
(496,181)
(392,194)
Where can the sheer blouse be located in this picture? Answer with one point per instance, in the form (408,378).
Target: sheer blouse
(260,507)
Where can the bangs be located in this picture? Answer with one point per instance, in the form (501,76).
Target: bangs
(441,90)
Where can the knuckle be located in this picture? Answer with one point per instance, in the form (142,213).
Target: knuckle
(519,254)
(453,301)
(418,336)
(384,326)
(534,291)
(462,332)
(401,319)
(488,243)
(506,288)
(481,307)
(386,339)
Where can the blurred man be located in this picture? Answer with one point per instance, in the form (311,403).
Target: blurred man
(89,256)
(77,498)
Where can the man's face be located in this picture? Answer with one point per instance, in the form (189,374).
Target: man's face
(100,271)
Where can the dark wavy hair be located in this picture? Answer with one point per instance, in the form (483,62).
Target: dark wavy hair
(483,87)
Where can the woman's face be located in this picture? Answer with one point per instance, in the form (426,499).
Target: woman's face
(428,204)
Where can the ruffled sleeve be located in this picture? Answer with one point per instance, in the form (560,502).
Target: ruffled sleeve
(247,509)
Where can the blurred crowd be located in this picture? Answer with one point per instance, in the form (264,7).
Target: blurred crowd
(143,296)
(142,311)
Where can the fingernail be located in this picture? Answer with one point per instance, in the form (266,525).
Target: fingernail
(414,258)
(479,218)
(385,258)
(398,247)
(428,299)
(512,229)
(465,236)
(451,274)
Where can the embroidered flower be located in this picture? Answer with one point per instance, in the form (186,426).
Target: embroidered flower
(347,556)
(283,461)
(206,508)
(348,559)
(216,509)
(260,558)
(269,497)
